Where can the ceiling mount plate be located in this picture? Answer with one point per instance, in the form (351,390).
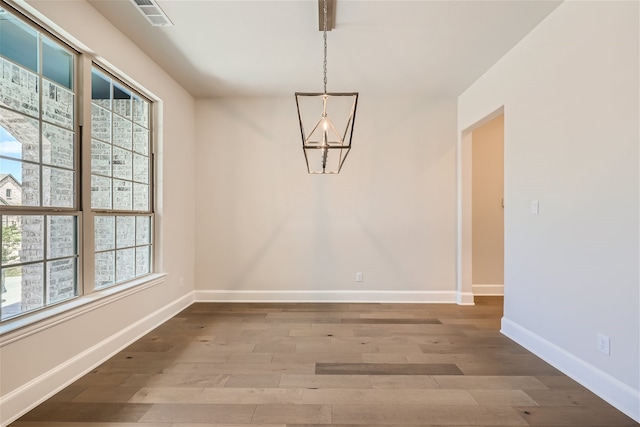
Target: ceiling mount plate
(331,15)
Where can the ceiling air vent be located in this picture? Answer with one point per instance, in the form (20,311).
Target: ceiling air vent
(153,13)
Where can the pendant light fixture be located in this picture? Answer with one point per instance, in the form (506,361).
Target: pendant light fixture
(326,122)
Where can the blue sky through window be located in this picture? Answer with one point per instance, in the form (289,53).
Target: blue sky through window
(10,147)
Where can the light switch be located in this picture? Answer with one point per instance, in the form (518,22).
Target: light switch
(535,207)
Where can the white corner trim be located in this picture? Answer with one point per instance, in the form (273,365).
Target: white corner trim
(326,296)
(488,290)
(614,391)
(26,397)
(465,298)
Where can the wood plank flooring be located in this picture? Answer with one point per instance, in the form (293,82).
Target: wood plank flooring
(310,365)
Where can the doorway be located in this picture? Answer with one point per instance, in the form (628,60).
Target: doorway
(481,210)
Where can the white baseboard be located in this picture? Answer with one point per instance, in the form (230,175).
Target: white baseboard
(612,390)
(18,402)
(488,290)
(326,296)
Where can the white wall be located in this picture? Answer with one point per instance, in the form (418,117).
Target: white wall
(36,366)
(570,96)
(269,231)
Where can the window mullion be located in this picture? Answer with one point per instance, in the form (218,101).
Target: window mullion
(41,122)
(87,243)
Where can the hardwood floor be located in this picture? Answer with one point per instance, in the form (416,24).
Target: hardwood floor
(306,365)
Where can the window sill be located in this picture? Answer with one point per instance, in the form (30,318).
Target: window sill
(17,329)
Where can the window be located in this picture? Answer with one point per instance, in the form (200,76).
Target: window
(120,181)
(37,150)
(42,224)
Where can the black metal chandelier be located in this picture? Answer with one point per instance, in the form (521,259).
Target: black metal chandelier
(326,122)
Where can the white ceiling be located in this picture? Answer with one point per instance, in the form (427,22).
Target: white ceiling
(273,48)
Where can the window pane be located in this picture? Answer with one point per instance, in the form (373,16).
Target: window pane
(25,181)
(100,123)
(57,104)
(126,231)
(22,238)
(23,289)
(143,230)
(57,63)
(141,111)
(32,286)
(125,264)
(121,101)
(122,163)
(100,89)
(140,140)
(122,195)
(19,89)
(105,271)
(143,266)
(141,168)
(19,136)
(18,42)
(100,192)
(140,197)
(61,236)
(32,248)
(11,286)
(100,158)
(61,275)
(122,134)
(11,238)
(57,186)
(30,184)
(57,146)
(105,233)
(10,183)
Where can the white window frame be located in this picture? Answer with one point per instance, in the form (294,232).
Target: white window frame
(90,213)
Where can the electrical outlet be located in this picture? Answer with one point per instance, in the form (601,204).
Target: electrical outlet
(604,344)
(359,277)
(181,283)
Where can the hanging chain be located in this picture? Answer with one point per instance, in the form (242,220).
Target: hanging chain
(325,46)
